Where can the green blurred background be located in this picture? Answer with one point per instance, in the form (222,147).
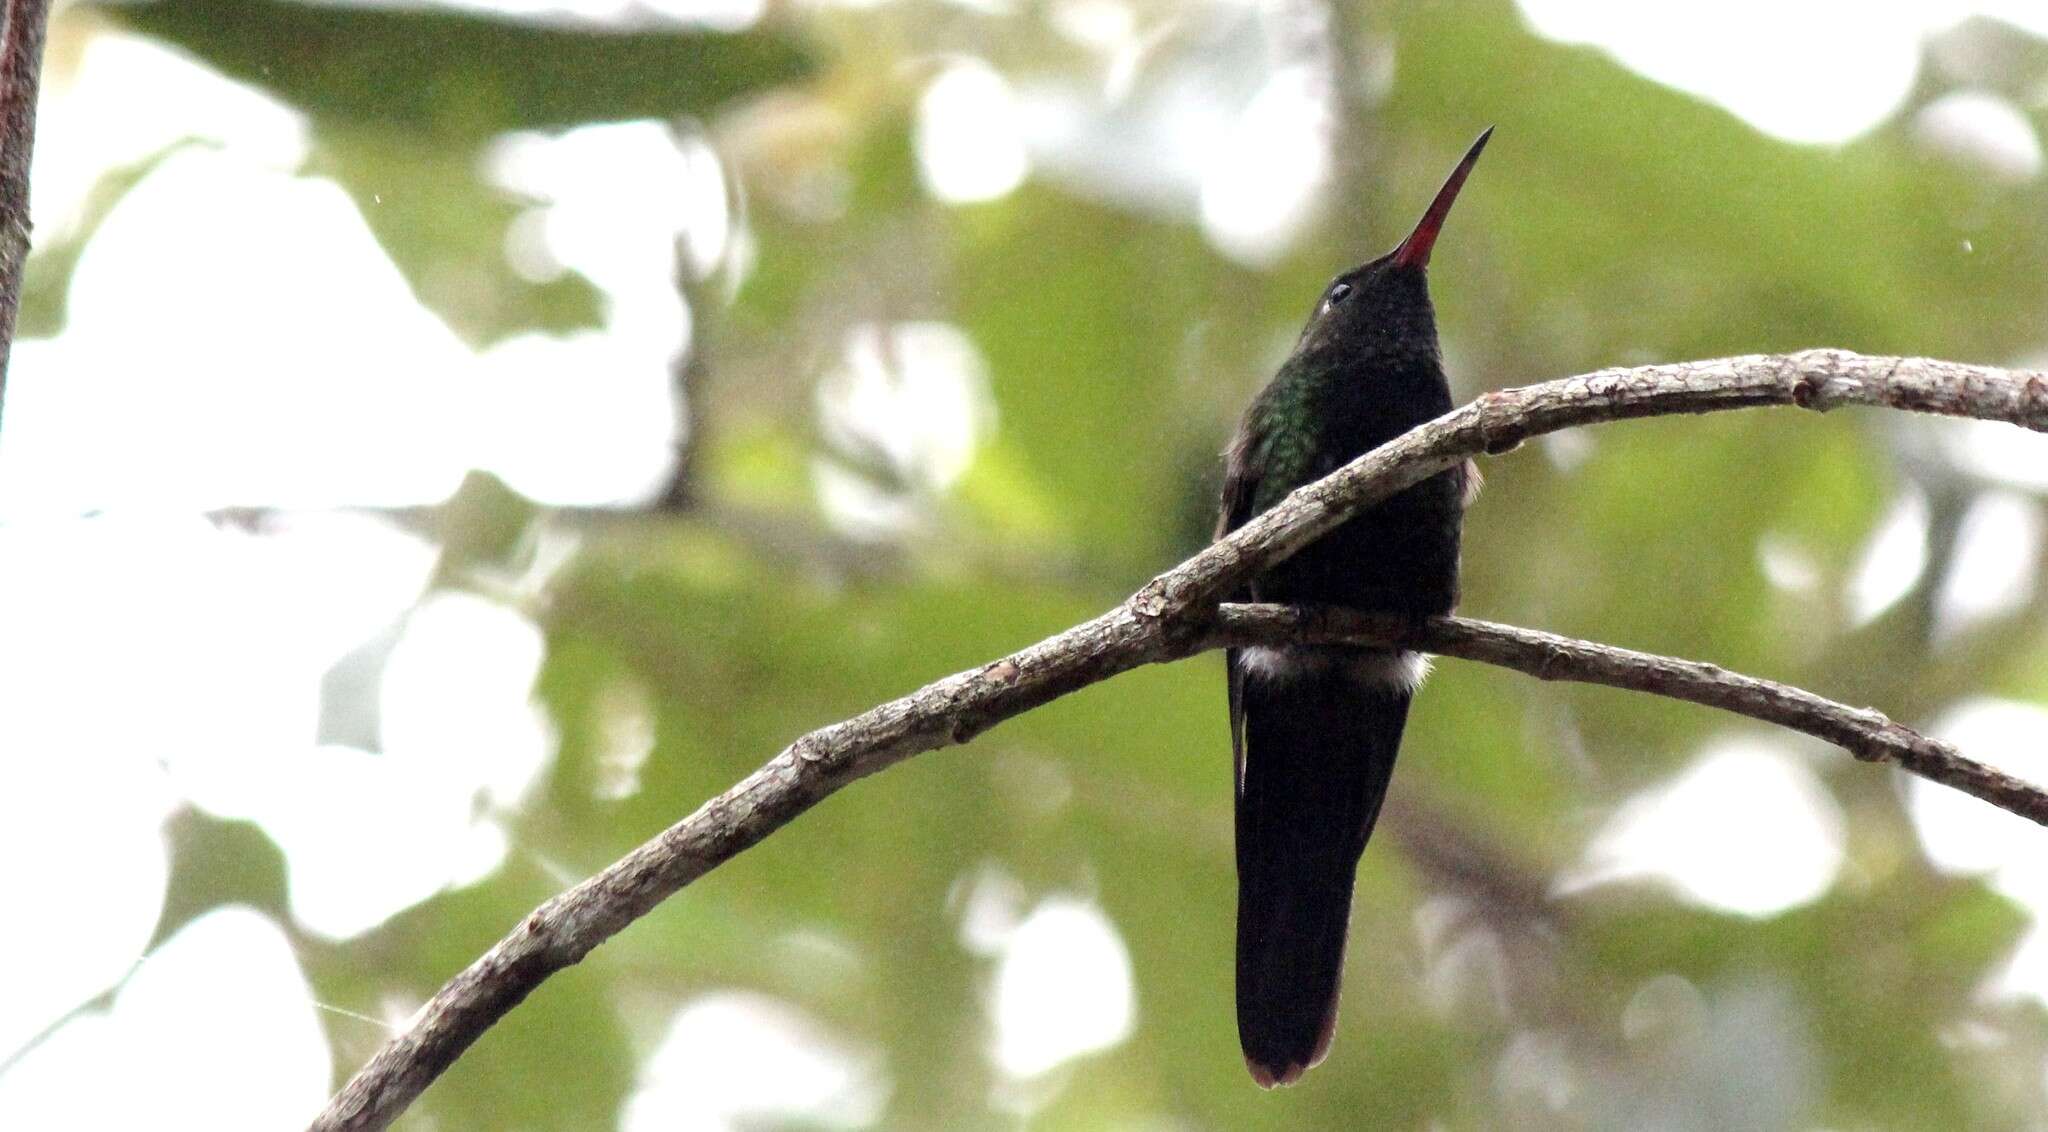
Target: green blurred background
(952,308)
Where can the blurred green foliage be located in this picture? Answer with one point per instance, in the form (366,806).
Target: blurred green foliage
(1613,221)
(463,77)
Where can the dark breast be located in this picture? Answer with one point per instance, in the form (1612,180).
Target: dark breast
(1399,556)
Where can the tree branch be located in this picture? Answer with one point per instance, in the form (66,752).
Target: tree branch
(1176,615)
(1865,733)
(21,64)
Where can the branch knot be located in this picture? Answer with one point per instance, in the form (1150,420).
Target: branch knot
(1179,610)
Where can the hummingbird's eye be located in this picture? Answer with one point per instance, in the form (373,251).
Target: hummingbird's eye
(1336,295)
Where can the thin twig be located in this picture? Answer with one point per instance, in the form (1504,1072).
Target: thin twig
(1176,615)
(21,65)
(1865,733)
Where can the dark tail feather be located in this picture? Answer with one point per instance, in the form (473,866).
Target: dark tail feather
(1319,747)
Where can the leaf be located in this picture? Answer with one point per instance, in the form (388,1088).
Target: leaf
(351,691)
(462,77)
(402,100)
(445,228)
(46,288)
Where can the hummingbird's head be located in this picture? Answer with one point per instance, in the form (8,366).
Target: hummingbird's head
(1383,306)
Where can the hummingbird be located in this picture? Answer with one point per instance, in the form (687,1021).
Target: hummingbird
(1315,728)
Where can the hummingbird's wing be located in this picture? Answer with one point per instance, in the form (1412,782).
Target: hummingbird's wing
(1240,489)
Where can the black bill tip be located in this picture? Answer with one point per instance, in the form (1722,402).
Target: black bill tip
(1414,251)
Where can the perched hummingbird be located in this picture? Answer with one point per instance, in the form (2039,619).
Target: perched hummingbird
(1315,728)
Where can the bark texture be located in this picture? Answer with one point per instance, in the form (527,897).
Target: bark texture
(1177,615)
